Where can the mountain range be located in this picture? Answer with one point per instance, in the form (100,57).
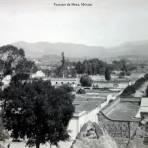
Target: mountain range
(133,50)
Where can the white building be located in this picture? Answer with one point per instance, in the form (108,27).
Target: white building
(143,107)
(60,81)
(38,74)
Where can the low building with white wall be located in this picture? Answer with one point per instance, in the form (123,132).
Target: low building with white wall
(80,118)
(61,81)
(87,107)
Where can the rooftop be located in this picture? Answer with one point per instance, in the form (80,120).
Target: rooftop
(91,100)
(122,110)
(87,102)
(125,111)
(144,102)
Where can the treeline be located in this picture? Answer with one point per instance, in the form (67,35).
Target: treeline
(91,67)
(96,66)
(130,90)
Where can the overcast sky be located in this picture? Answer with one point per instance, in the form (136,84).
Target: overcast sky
(106,23)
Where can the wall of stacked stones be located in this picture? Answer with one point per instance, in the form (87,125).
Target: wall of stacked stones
(119,128)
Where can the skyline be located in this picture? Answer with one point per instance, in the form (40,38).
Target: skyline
(106,23)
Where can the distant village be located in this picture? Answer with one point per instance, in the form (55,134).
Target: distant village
(113,95)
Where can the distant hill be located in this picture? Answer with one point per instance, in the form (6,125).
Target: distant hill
(56,59)
(137,48)
(135,51)
(71,50)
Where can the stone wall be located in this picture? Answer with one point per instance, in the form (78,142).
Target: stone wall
(118,128)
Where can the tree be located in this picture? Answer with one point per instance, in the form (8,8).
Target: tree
(3,133)
(7,69)
(107,74)
(90,67)
(81,91)
(131,89)
(86,81)
(79,68)
(13,60)
(38,111)
(25,66)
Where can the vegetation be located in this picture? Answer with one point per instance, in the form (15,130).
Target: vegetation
(32,108)
(90,67)
(25,66)
(125,66)
(86,81)
(38,111)
(3,133)
(107,74)
(128,91)
(81,91)
(13,60)
(96,66)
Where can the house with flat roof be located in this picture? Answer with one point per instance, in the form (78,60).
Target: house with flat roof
(60,81)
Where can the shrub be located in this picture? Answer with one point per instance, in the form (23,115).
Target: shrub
(81,91)
(86,81)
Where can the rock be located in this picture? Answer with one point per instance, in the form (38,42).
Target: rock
(88,136)
(93,136)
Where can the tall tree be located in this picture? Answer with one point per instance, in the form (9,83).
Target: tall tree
(3,133)
(107,74)
(12,59)
(38,111)
(90,67)
(26,66)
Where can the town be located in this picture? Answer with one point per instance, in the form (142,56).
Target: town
(103,99)
(73,74)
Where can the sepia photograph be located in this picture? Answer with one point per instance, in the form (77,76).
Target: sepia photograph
(73,74)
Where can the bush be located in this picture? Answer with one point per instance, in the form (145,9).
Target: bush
(146,76)
(81,91)
(86,81)
(129,90)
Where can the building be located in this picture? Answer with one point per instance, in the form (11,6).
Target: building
(123,119)
(87,107)
(118,84)
(143,114)
(60,81)
(38,74)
